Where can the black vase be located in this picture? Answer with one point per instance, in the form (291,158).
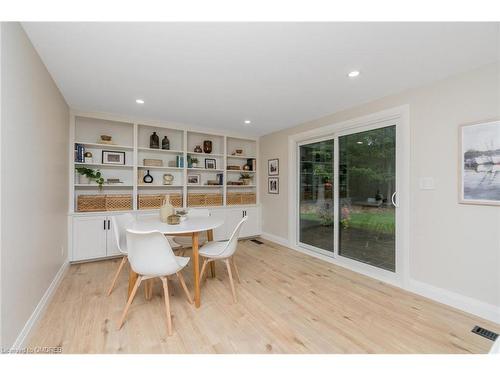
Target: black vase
(165,143)
(148,179)
(154,141)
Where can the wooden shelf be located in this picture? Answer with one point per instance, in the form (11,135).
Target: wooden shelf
(204,154)
(104,186)
(241,186)
(205,170)
(240,157)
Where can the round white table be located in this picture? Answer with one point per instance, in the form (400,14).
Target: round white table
(189,227)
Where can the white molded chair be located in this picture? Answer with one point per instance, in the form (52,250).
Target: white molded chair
(120,224)
(150,255)
(223,250)
(187,241)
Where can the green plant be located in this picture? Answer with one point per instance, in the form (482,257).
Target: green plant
(93,174)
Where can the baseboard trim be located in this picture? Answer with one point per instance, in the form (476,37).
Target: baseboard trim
(467,304)
(22,338)
(446,297)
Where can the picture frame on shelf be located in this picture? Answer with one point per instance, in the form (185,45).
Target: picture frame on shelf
(480,164)
(113,157)
(273,185)
(273,167)
(194,179)
(210,163)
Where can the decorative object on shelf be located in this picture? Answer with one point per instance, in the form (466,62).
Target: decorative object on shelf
(165,143)
(183,215)
(238,152)
(166,209)
(213,182)
(148,179)
(192,162)
(172,163)
(194,179)
(233,198)
(210,164)
(79,153)
(88,159)
(480,164)
(252,163)
(105,139)
(113,157)
(168,179)
(154,141)
(154,201)
(204,199)
(220,178)
(152,162)
(112,181)
(273,167)
(95,203)
(246,178)
(235,183)
(246,167)
(91,175)
(233,168)
(273,185)
(179,161)
(198,149)
(207,147)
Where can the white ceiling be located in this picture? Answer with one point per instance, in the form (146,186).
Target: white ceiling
(278,75)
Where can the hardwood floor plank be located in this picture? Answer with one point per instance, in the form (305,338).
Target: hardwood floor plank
(288,302)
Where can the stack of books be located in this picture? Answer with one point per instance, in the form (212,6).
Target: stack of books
(79,153)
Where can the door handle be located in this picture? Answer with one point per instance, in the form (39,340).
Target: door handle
(104,222)
(393,199)
(109,226)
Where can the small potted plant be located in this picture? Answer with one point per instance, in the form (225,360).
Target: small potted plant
(246,178)
(194,162)
(89,175)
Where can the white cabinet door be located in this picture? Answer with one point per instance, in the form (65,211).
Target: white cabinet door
(251,226)
(220,233)
(111,246)
(89,237)
(233,217)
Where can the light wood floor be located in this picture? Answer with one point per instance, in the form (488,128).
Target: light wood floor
(288,303)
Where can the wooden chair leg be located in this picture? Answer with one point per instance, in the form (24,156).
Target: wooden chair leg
(148,289)
(205,261)
(122,263)
(183,284)
(237,274)
(167,305)
(231,280)
(212,269)
(129,302)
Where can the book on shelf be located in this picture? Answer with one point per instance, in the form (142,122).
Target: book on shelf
(79,153)
(179,161)
(252,163)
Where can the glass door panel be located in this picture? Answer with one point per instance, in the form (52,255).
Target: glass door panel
(316,195)
(367,179)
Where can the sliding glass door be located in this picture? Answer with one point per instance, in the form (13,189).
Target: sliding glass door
(316,209)
(367,180)
(346,195)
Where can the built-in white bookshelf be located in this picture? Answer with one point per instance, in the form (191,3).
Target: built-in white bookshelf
(130,144)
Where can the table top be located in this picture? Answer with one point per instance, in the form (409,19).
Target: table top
(190,225)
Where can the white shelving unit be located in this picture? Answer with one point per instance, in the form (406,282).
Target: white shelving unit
(132,138)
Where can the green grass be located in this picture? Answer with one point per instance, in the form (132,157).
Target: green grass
(382,222)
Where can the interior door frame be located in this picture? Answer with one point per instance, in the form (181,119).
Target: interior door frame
(399,116)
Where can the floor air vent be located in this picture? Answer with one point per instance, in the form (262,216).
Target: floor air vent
(485,333)
(257,242)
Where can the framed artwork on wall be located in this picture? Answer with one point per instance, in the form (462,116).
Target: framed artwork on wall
(273,185)
(480,163)
(273,167)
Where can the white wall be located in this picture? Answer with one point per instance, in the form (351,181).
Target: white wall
(34,184)
(453,247)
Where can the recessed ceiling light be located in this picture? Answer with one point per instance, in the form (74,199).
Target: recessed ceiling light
(139,101)
(248,122)
(353,74)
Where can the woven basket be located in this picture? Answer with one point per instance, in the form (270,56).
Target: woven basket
(203,199)
(241,198)
(91,203)
(152,201)
(118,202)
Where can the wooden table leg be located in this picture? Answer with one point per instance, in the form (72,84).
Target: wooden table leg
(132,278)
(196,270)
(210,237)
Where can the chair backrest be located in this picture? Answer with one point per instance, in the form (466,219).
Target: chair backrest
(198,212)
(150,253)
(231,245)
(120,225)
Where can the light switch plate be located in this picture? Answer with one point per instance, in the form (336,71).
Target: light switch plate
(426,183)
